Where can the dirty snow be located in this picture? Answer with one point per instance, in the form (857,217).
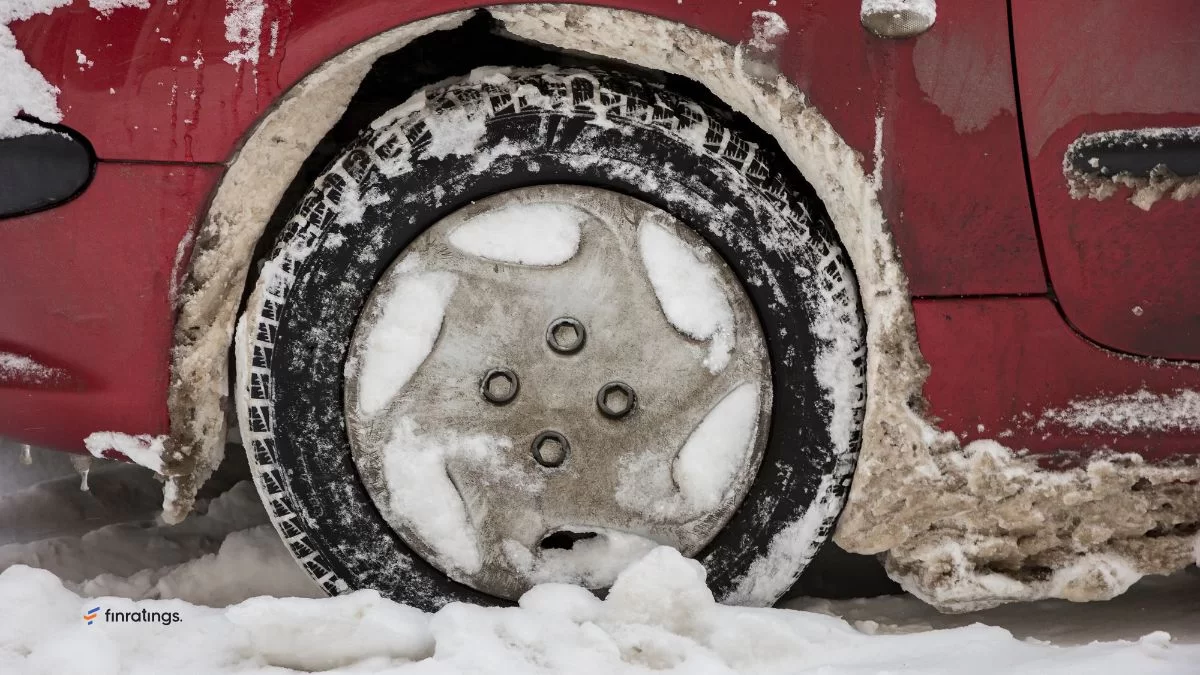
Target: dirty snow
(717,448)
(1139,412)
(401,336)
(894,370)
(905,491)
(524,234)
(249,191)
(143,449)
(1145,191)
(877,155)
(688,290)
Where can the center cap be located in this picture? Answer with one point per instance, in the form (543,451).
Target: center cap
(550,382)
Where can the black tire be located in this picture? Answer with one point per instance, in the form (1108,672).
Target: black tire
(540,127)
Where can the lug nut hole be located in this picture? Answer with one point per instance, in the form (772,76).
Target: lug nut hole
(550,448)
(616,399)
(499,386)
(566,335)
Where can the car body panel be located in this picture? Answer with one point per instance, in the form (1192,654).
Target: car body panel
(87,293)
(1125,277)
(172,88)
(939,109)
(1011,370)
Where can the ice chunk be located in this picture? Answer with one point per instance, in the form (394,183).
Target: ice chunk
(143,449)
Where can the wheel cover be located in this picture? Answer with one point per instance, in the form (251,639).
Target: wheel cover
(552,380)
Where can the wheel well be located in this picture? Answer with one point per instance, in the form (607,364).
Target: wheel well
(479,42)
(308,125)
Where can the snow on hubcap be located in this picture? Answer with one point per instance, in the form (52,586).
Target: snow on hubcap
(551,381)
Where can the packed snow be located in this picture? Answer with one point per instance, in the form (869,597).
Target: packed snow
(716,450)
(524,234)
(456,131)
(688,290)
(401,336)
(219,593)
(143,449)
(593,563)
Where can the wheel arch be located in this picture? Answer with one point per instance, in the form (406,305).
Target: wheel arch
(258,176)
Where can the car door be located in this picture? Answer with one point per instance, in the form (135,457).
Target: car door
(1110,101)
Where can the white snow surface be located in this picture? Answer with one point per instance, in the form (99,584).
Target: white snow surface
(18,368)
(539,234)
(244,606)
(243,27)
(688,290)
(422,494)
(403,334)
(24,89)
(142,449)
(716,450)
(1137,412)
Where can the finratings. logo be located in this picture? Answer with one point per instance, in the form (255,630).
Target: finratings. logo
(142,615)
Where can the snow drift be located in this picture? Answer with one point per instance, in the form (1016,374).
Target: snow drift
(658,616)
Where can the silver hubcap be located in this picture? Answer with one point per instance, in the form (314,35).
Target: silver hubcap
(550,382)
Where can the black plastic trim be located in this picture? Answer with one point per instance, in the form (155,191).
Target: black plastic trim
(1137,152)
(45,170)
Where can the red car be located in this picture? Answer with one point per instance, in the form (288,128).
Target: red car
(509,294)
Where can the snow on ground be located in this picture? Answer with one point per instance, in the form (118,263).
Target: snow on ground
(218,593)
